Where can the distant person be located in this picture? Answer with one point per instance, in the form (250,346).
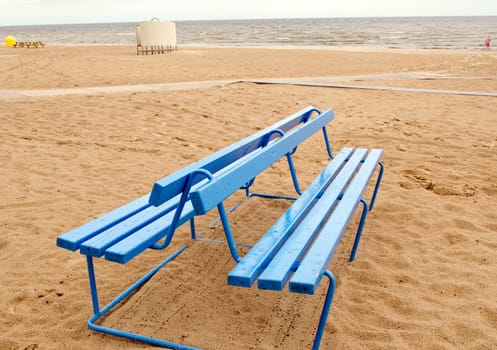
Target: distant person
(487,42)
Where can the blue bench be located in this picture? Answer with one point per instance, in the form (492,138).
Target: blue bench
(298,248)
(150,221)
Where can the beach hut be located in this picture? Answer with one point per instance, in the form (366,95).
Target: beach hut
(155,37)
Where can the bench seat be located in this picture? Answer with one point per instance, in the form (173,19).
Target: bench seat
(302,242)
(127,231)
(298,248)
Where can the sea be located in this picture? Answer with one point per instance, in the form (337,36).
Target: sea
(466,33)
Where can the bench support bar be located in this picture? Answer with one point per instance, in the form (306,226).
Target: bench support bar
(295,180)
(359,229)
(293,172)
(377,186)
(99,313)
(365,209)
(326,310)
(228,233)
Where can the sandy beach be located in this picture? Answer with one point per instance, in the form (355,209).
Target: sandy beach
(425,276)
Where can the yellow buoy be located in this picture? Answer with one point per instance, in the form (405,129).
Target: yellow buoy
(10,41)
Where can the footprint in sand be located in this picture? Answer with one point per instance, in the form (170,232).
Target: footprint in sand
(24,301)
(9,345)
(416,178)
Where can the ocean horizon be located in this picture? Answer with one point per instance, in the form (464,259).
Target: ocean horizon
(466,33)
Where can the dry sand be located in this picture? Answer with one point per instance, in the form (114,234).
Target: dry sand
(426,269)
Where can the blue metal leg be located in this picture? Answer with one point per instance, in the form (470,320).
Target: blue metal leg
(293,172)
(326,310)
(359,229)
(227,231)
(192,228)
(377,186)
(295,181)
(128,335)
(327,142)
(290,165)
(93,284)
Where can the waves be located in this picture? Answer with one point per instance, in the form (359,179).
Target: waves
(399,32)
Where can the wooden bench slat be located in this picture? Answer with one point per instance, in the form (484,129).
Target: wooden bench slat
(96,246)
(253,263)
(277,273)
(73,239)
(309,273)
(134,244)
(221,187)
(174,183)
(293,120)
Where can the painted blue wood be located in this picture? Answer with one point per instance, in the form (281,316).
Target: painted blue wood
(309,273)
(174,183)
(253,263)
(221,187)
(95,236)
(96,246)
(134,244)
(72,239)
(276,274)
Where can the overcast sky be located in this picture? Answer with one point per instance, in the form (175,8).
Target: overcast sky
(19,12)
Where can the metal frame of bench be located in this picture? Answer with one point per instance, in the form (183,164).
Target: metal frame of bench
(300,245)
(155,217)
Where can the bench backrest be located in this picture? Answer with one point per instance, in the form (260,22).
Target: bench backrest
(170,186)
(222,185)
(166,195)
(126,231)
